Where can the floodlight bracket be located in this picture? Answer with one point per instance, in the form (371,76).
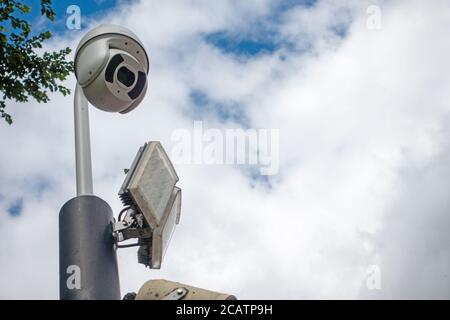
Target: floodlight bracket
(131,226)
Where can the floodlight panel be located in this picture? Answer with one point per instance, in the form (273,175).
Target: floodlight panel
(131,171)
(152,183)
(163,234)
(172,220)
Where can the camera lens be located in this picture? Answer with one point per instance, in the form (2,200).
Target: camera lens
(112,66)
(140,84)
(125,76)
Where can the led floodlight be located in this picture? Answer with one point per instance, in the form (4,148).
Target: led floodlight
(152,204)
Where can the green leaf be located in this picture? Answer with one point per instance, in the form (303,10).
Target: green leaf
(24,72)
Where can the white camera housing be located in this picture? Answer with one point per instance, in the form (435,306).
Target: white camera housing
(111,66)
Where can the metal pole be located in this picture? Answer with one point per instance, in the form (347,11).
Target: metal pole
(82,144)
(87,254)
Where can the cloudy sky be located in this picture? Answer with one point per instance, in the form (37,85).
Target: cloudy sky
(359,91)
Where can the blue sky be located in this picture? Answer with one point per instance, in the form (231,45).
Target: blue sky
(16,207)
(88,8)
(260,38)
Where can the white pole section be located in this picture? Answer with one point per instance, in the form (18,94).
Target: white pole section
(82,144)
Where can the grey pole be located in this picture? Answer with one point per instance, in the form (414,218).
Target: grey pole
(82,144)
(87,254)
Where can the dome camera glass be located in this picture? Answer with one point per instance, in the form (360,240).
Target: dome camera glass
(125,76)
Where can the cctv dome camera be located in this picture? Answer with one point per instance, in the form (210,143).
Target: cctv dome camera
(111,66)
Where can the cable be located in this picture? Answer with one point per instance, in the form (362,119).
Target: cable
(128,245)
(121,212)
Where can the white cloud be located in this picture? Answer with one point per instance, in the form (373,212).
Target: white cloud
(361,121)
